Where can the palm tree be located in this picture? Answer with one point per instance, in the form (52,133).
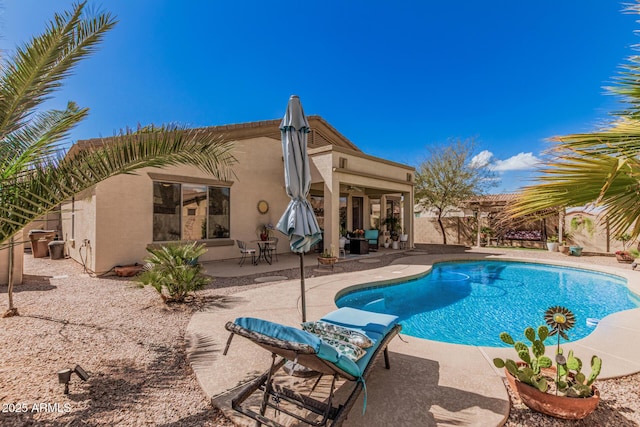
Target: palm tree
(601,168)
(35,175)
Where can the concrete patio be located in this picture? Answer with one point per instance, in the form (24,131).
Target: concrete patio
(430,383)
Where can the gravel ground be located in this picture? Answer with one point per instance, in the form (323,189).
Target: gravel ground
(133,347)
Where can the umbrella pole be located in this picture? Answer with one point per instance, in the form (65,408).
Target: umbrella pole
(302,292)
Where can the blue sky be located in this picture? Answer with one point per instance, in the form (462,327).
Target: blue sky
(394,78)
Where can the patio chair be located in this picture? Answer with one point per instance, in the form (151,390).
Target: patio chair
(312,352)
(273,247)
(341,247)
(372,238)
(246,251)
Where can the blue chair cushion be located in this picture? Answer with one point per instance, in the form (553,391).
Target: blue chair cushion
(281,332)
(371,234)
(295,335)
(369,322)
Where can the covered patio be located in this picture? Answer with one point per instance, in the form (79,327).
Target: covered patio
(351,190)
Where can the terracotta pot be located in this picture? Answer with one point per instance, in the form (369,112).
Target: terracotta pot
(327,261)
(568,408)
(624,258)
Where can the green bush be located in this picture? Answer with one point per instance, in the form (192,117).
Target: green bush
(173,270)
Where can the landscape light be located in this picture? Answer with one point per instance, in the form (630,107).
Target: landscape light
(64,376)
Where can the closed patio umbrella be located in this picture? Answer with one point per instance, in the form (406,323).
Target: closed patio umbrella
(298,222)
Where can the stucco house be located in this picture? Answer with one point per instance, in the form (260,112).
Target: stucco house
(115,221)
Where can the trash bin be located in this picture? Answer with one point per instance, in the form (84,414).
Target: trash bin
(39,242)
(56,249)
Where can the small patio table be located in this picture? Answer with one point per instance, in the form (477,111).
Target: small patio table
(359,246)
(264,251)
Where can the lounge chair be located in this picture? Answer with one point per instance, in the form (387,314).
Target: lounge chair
(312,352)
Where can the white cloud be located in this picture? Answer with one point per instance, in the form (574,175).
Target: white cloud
(519,162)
(481,159)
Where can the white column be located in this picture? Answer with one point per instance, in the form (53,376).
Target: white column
(332,214)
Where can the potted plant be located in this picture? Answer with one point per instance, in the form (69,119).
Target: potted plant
(393,226)
(575,250)
(327,257)
(563,245)
(561,391)
(552,243)
(264,231)
(485,235)
(626,256)
(342,241)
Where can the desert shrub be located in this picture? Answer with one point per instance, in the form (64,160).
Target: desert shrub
(173,270)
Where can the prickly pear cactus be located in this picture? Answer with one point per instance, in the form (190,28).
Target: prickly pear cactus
(530,372)
(570,381)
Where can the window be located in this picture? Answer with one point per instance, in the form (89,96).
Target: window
(343,213)
(393,208)
(357,213)
(218,212)
(189,212)
(317,202)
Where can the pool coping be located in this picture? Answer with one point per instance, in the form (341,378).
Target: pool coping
(429,381)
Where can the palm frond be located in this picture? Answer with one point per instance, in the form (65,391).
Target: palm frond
(605,181)
(601,167)
(38,68)
(37,141)
(621,139)
(44,186)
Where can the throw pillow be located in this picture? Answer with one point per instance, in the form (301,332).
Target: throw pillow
(335,332)
(349,350)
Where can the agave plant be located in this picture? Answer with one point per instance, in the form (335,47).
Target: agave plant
(35,173)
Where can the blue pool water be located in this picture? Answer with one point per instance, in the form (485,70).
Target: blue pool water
(472,302)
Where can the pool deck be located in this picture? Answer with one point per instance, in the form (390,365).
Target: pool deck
(430,383)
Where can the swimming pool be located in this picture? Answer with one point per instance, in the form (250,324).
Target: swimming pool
(471,302)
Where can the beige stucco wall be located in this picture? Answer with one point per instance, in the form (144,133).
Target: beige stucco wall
(427,230)
(117,215)
(18,262)
(600,240)
(83,209)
